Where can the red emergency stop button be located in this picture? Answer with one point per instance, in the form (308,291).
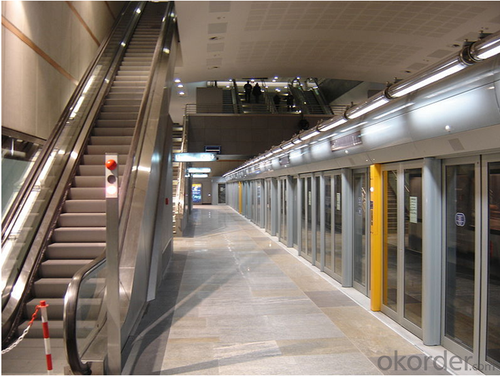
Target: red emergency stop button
(111,164)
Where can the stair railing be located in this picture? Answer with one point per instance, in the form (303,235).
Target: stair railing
(87,283)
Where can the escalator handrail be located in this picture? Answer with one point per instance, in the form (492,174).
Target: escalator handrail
(69,319)
(72,294)
(144,106)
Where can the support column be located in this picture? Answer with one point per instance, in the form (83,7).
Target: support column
(431,252)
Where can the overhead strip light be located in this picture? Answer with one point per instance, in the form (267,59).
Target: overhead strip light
(367,106)
(327,127)
(434,74)
(309,135)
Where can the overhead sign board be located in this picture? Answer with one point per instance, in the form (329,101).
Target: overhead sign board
(195,157)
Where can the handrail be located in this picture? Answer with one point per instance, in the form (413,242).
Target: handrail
(69,319)
(143,108)
(72,294)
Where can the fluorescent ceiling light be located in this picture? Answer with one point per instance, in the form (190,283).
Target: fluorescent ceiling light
(332,125)
(309,135)
(489,53)
(368,108)
(455,67)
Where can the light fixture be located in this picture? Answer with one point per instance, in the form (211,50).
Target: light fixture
(327,126)
(367,106)
(309,135)
(486,48)
(433,74)
(199,170)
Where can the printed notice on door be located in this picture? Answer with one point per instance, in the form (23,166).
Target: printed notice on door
(413,209)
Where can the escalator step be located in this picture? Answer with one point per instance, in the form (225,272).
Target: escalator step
(75,250)
(65,268)
(79,234)
(51,287)
(85,206)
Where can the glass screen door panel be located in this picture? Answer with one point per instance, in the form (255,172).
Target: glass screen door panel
(309,203)
(337,224)
(328,223)
(268,205)
(258,200)
(306,244)
(283,210)
(460,254)
(359,241)
(294,214)
(303,217)
(493,267)
(317,220)
(413,246)
(390,240)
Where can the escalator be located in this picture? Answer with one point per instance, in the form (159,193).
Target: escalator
(80,234)
(308,97)
(116,120)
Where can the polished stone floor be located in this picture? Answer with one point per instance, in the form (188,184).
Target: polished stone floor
(235,302)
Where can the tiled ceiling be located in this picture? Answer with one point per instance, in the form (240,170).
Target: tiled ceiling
(356,40)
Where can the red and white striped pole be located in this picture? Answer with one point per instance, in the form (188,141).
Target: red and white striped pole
(46,336)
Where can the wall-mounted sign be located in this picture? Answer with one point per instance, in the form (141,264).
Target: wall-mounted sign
(199,170)
(196,193)
(344,142)
(460,219)
(195,157)
(413,209)
(285,161)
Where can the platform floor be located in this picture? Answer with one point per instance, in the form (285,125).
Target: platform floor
(236,302)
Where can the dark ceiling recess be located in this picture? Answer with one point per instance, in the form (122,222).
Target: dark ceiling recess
(333,89)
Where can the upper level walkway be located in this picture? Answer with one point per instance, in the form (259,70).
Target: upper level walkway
(234,301)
